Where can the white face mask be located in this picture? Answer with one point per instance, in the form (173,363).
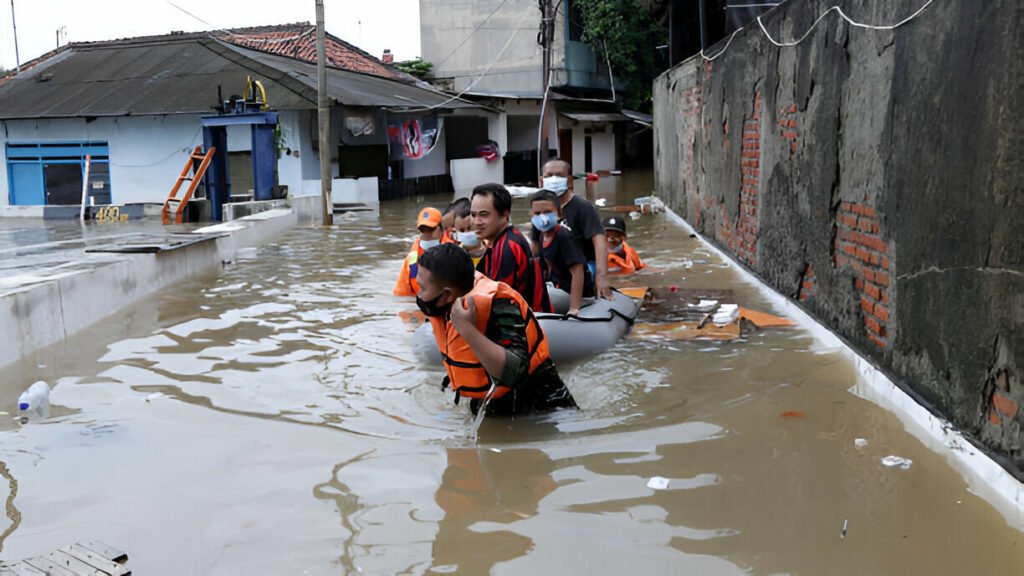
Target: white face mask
(617,249)
(428,244)
(469,239)
(557,184)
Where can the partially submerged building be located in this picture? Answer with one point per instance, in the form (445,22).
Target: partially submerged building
(488,51)
(136,108)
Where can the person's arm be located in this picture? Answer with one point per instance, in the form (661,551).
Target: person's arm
(576,293)
(490,354)
(604,289)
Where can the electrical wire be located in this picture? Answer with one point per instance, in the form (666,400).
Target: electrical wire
(836,9)
(482,74)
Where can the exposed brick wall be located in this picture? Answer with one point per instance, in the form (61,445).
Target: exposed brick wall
(690,106)
(858,246)
(839,188)
(787,128)
(808,284)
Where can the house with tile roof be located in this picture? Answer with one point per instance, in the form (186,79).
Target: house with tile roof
(135,108)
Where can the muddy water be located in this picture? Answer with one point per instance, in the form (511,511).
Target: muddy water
(269,418)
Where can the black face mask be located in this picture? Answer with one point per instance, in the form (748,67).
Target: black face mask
(430,307)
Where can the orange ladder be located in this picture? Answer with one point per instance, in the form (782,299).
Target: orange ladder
(173,204)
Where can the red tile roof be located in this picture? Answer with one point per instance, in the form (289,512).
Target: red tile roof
(299,41)
(296,40)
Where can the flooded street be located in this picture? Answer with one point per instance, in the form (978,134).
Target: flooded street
(270,418)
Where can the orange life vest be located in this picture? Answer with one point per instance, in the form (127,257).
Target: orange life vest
(626,262)
(407,285)
(468,377)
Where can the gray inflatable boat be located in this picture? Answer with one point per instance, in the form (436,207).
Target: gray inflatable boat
(599,325)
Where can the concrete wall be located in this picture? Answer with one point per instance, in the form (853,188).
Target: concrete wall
(445,24)
(50,306)
(874,177)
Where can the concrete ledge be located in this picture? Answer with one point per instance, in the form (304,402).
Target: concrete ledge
(984,475)
(46,312)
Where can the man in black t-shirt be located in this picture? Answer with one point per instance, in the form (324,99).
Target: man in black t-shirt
(582,218)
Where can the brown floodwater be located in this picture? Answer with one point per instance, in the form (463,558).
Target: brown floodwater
(270,418)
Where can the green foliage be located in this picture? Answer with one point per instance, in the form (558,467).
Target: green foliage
(418,67)
(627,34)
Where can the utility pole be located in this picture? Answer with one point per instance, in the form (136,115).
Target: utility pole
(324,113)
(17,58)
(547,32)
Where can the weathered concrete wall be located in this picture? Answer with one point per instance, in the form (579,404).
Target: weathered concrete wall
(876,177)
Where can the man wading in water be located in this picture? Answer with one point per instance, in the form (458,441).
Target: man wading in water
(488,337)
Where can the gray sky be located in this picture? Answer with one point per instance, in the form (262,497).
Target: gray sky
(373,25)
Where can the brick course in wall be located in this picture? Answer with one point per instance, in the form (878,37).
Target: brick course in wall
(859,246)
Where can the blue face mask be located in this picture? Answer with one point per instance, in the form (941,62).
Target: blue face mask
(469,239)
(557,184)
(428,244)
(545,221)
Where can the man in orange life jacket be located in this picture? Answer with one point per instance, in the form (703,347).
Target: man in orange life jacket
(508,258)
(622,258)
(431,234)
(491,342)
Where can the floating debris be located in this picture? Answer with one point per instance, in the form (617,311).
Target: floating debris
(897,462)
(860,442)
(658,483)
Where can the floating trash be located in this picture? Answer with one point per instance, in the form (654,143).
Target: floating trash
(897,462)
(658,483)
(860,442)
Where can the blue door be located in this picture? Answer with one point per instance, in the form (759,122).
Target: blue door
(26,181)
(51,172)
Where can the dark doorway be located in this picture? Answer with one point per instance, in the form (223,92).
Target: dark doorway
(565,145)
(588,154)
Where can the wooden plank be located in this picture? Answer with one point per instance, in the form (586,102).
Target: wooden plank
(96,560)
(765,320)
(105,550)
(48,566)
(685,331)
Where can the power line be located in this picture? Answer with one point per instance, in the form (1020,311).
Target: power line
(836,9)
(482,74)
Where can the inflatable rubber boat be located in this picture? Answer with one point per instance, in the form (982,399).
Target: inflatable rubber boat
(598,326)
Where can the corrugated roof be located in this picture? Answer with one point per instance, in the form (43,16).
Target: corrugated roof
(176,75)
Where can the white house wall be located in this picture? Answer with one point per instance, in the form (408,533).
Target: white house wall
(147,153)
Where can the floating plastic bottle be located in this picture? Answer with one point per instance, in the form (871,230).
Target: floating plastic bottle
(35,400)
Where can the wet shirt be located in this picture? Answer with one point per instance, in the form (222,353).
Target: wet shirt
(582,218)
(560,254)
(510,260)
(542,390)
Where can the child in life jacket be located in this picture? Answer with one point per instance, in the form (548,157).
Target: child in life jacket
(622,259)
(428,222)
(565,265)
(457,221)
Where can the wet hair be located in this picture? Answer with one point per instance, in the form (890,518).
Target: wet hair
(498,193)
(451,266)
(546,196)
(460,207)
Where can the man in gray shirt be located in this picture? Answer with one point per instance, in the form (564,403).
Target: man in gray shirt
(582,218)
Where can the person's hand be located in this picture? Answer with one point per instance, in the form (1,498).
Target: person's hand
(573,312)
(463,314)
(604,289)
